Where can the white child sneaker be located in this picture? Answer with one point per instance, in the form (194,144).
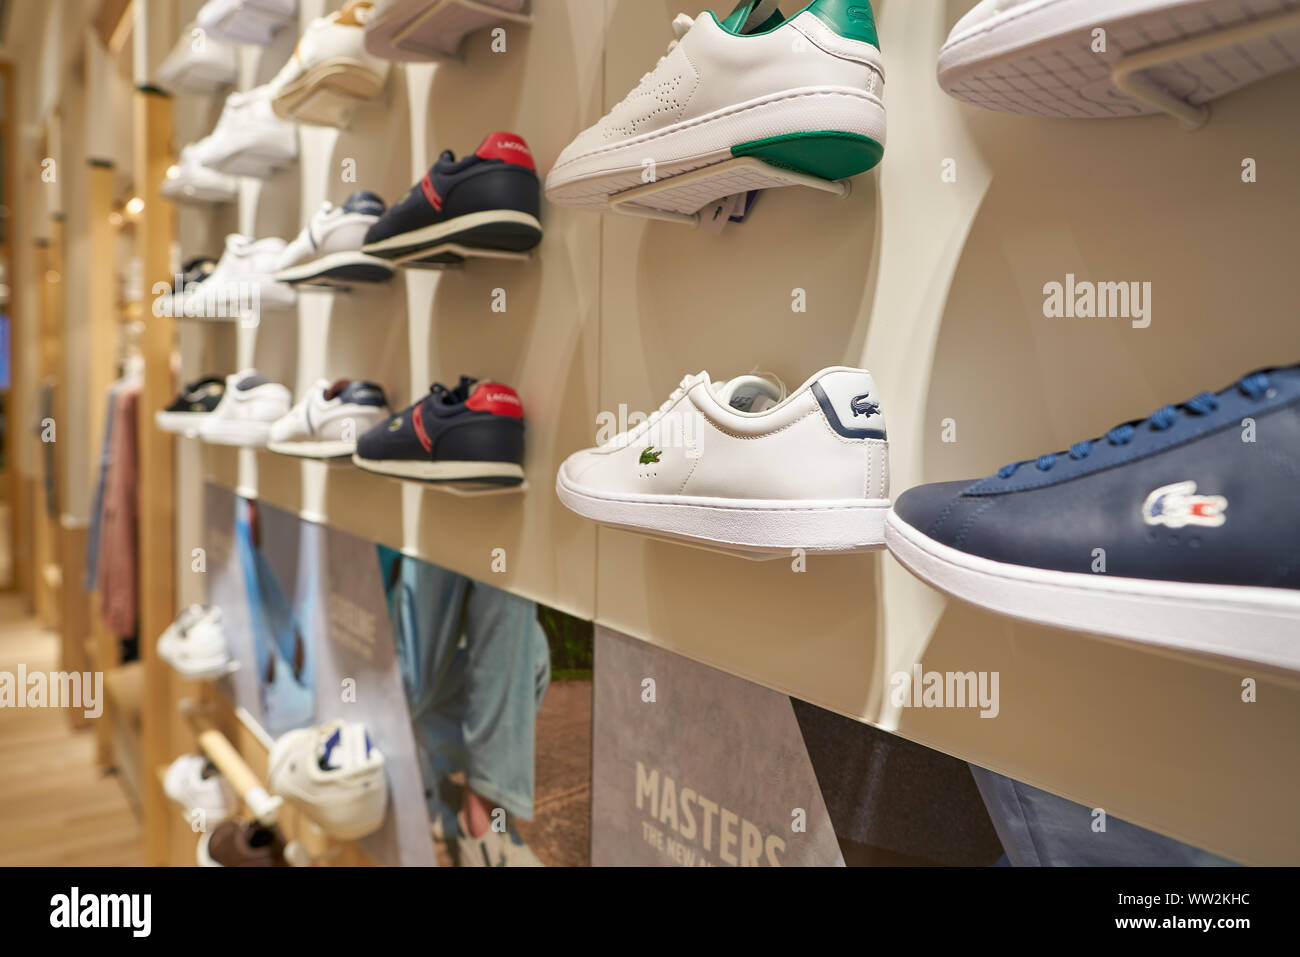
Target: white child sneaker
(334,775)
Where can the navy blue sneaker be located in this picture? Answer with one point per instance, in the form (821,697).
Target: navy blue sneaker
(488,202)
(473,433)
(1182,529)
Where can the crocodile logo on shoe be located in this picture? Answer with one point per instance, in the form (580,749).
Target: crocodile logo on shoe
(651,455)
(862,405)
(1178,505)
(395,424)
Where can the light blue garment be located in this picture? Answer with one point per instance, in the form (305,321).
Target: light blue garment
(1040,829)
(476,666)
(285,663)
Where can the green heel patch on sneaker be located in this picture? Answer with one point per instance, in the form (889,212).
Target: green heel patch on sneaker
(828,154)
(853,19)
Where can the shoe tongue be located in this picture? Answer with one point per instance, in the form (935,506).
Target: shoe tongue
(364,201)
(345,746)
(250,379)
(749,393)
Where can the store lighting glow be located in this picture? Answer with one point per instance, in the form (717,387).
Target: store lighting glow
(134,206)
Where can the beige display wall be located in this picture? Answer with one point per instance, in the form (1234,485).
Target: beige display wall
(930,273)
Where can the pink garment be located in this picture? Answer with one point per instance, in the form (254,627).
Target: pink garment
(118,549)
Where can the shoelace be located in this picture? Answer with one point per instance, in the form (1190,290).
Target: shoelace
(681,26)
(623,439)
(1253,386)
(453,396)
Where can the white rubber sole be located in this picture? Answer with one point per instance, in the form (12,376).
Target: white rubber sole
(248,435)
(591,179)
(1259,625)
(253,153)
(246,21)
(197,669)
(442,471)
(323,449)
(1038,58)
(179,191)
(847,525)
(180,423)
(348,819)
(437,34)
(324,266)
(341,76)
(183,72)
(430,236)
(239,298)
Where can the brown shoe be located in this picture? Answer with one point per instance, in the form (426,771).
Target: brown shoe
(241,844)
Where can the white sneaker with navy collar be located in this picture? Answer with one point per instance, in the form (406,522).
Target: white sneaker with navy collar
(744,466)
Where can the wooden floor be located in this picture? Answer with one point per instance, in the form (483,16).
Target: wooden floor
(56,808)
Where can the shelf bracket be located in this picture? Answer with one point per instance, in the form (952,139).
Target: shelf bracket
(1128,74)
(680,198)
(261,803)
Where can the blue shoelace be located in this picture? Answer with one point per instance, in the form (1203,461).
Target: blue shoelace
(1254,386)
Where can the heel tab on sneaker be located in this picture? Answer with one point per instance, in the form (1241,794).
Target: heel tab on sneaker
(508,147)
(496,398)
(849,400)
(853,19)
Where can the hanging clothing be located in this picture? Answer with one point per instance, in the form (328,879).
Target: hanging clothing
(118,573)
(101,474)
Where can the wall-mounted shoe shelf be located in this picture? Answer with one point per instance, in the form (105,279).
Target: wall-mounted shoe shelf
(261,803)
(1129,74)
(451,255)
(682,198)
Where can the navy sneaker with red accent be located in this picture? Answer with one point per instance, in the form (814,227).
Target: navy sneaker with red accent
(473,433)
(486,202)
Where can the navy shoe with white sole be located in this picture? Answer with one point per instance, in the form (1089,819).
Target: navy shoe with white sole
(473,433)
(485,202)
(1180,530)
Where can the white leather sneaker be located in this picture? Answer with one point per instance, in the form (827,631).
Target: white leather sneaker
(802,93)
(193,782)
(1043,58)
(248,408)
(334,775)
(249,139)
(189,181)
(198,64)
(246,21)
(243,282)
(328,250)
(743,465)
(195,645)
(331,56)
(327,420)
(492,848)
